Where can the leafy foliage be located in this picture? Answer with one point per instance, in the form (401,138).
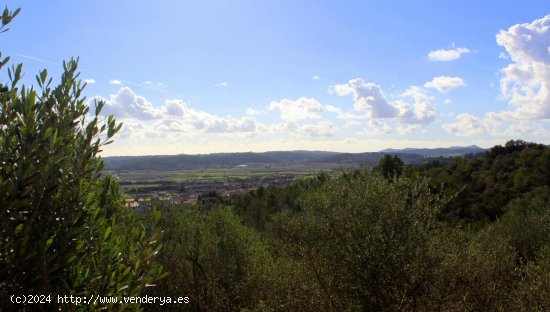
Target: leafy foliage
(391,166)
(372,240)
(215,260)
(366,240)
(63,229)
(485,185)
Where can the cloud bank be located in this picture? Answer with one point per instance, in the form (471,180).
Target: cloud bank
(526,81)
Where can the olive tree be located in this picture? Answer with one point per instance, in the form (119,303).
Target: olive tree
(368,242)
(63,227)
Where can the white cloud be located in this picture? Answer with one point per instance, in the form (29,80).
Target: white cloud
(333,109)
(526,81)
(126,104)
(406,129)
(417,93)
(367,97)
(291,126)
(341,89)
(419,113)
(90,81)
(315,78)
(492,121)
(231,125)
(466,125)
(302,108)
(447,55)
(447,101)
(341,114)
(523,128)
(115,82)
(377,127)
(175,108)
(151,84)
(131,128)
(251,111)
(445,83)
(174,116)
(178,116)
(503,56)
(352,124)
(323,128)
(496,125)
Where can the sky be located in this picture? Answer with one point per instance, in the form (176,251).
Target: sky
(200,76)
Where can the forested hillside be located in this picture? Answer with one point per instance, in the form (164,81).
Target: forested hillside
(470,235)
(219,160)
(484,186)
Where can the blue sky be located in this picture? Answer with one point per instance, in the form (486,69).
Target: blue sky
(234,76)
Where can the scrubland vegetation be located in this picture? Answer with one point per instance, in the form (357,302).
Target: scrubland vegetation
(471,235)
(428,239)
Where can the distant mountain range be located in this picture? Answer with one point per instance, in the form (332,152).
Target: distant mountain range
(217,160)
(437,152)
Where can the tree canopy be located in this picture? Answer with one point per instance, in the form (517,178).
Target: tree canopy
(63,227)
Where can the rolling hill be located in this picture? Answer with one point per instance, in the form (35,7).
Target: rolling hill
(217,160)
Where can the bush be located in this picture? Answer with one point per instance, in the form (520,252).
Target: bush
(63,228)
(367,241)
(213,259)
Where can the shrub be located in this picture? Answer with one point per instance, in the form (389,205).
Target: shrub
(63,228)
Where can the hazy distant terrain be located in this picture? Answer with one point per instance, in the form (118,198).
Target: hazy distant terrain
(186,162)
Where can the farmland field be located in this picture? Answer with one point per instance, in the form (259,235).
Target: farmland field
(153,180)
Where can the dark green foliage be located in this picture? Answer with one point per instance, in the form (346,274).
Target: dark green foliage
(526,226)
(7,17)
(366,241)
(63,229)
(533,292)
(486,184)
(258,207)
(215,260)
(209,199)
(390,166)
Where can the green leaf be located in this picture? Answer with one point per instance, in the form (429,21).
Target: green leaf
(107,233)
(49,242)
(47,133)
(43,75)
(19,228)
(5,61)
(5,16)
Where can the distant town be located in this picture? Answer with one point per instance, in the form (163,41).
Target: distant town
(140,194)
(184,179)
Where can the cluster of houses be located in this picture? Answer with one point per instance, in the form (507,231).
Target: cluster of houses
(143,201)
(189,192)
